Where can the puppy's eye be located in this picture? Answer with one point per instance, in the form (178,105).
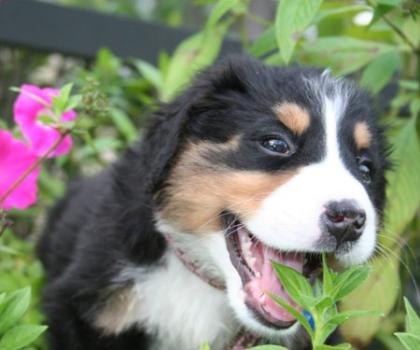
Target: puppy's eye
(276,145)
(365,169)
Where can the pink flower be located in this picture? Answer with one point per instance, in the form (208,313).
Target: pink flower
(31,103)
(15,158)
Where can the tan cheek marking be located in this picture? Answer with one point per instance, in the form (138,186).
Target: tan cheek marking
(293,117)
(199,191)
(362,135)
(115,314)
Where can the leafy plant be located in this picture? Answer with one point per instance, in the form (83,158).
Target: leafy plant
(13,335)
(320,316)
(411,338)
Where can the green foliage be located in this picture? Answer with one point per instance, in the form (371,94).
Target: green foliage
(380,71)
(411,338)
(268,347)
(293,17)
(197,52)
(379,292)
(404,183)
(15,336)
(321,301)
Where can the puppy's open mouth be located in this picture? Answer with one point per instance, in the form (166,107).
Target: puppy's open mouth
(252,259)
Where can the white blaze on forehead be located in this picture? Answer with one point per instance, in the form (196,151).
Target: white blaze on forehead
(332,111)
(289,218)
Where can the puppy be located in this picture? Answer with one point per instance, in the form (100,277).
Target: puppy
(171,247)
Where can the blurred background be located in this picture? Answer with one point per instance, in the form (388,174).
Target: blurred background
(124,56)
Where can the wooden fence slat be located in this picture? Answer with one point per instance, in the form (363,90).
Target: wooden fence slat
(78,32)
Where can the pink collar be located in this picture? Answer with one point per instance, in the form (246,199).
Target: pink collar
(243,340)
(190,265)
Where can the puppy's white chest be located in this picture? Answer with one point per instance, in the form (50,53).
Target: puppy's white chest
(181,310)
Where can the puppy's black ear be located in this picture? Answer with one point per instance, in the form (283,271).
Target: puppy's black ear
(163,140)
(230,74)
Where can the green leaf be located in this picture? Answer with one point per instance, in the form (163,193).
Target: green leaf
(73,102)
(296,314)
(349,280)
(380,71)
(379,292)
(59,103)
(65,91)
(324,303)
(3,295)
(219,10)
(268,347)
(326,331)
(265,43)
(150,73)
(327,279)
(16,305)
(192,55)
(344,346)
(14,89)
(98,145)
(123,124)
(324,13)
(47,119)
(107,64)
(295,284)
(21,336)
(382,8)
(409,84)
(411,28)
(403,190)
(412,319)
(390,341)
(205,346)
(410,341)
(347,315)
(68,125)
(292,18)
(343,54)
(393,3)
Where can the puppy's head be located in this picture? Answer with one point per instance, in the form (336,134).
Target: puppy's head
(271,164)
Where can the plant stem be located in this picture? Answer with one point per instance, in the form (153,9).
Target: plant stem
(257,19)
(401,34)
(4,223)
(397,30)
(243,31)
(28,171)
(315,340)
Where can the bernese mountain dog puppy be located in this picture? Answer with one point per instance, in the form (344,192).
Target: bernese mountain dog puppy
(171,247)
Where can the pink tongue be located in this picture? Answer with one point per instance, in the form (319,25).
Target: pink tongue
(268,282)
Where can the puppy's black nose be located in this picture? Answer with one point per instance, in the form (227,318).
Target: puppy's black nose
(344,220)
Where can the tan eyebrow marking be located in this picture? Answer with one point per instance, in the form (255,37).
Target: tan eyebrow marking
(362,135)
(293,117)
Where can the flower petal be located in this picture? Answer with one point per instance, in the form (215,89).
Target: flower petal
(28,104)
(15,159)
